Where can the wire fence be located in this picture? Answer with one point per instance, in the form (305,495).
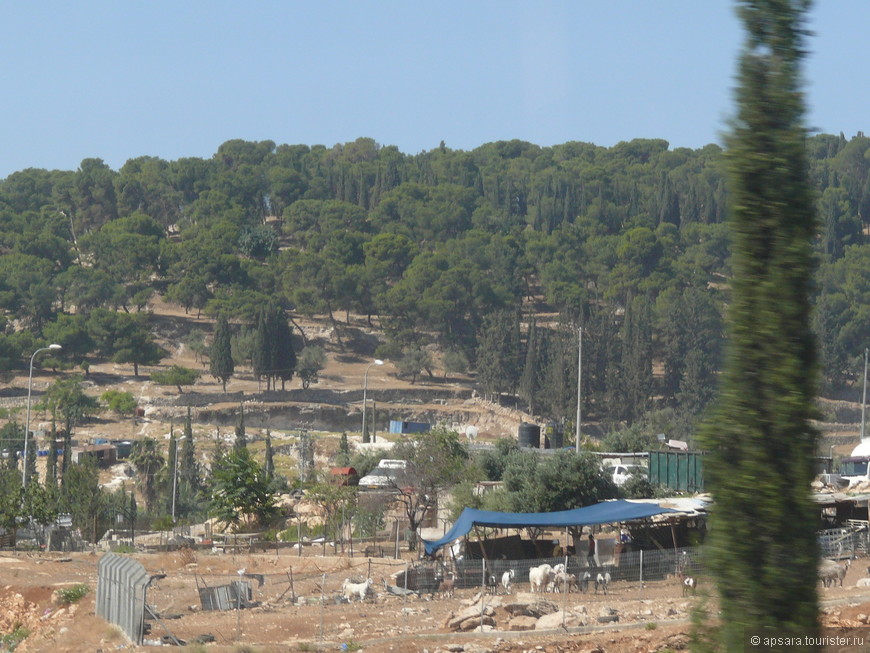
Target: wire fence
(848,542)
(367,579)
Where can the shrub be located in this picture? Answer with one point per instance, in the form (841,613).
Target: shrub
(72,594)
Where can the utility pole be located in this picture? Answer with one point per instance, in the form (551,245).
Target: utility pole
(864,397)
(577,429)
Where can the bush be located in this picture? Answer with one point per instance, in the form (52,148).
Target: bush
(10,641)
(290,534)
(72,594)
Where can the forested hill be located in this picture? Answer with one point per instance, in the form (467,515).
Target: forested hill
(491,257)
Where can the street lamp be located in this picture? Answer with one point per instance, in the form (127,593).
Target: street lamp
(377,361)
(27,419)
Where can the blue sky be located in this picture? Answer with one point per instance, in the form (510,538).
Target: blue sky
(117,80)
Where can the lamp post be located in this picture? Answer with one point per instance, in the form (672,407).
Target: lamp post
(27,419)
(377,361)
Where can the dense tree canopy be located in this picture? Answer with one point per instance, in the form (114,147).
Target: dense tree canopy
(448,247)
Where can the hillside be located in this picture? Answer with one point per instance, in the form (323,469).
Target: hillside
(331,406)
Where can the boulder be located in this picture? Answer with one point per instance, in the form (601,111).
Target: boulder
(522,623)
(554,621)
(472,612)
(536,608)
(472,623)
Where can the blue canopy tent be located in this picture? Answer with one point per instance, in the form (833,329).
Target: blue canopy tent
(606,512)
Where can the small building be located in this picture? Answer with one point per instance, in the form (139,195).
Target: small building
(400,427)
(103,454)
(344,476)
(124,448)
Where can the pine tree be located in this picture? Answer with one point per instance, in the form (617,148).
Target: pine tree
(221,365)
(764,550)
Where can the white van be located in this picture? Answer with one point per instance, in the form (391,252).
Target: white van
(385,475)
(620,473)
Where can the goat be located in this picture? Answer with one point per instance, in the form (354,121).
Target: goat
(555,571)
(584,581)
(507,580)
(602,580)
(690,583)
(831,572)
(563,581)
(539,577)
(447,586)
(350,589)
(491,584)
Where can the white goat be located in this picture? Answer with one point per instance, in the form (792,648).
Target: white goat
(584,581)
(539,577)
(507,580)
(351,589)
(689,585)
(602,580)
(563,581)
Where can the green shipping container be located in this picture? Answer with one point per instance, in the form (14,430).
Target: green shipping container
(682,471)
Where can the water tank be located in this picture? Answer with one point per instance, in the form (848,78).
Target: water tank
(530,435)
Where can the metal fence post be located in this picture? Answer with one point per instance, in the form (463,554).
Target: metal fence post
(641,571)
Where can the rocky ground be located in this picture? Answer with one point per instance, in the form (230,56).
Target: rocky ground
(298,610)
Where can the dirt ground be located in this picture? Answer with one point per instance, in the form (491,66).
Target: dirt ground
(653,618)
(304,616)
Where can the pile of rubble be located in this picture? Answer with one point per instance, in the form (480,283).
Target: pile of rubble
(16,612)
(525,611)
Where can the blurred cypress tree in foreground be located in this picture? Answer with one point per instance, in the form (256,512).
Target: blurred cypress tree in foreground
(764,551)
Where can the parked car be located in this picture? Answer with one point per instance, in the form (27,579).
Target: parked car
(621,473)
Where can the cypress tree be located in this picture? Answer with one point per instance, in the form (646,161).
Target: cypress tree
(637,357)
(260,356)
(283,356)
(241,437)
(528,385)
(31,455)
(188,470)
(269,466)
(764,550)
(51,459)
(221,365)
(220,449)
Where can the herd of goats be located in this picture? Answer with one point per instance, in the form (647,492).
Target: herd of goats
(543,578)
(556,578)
